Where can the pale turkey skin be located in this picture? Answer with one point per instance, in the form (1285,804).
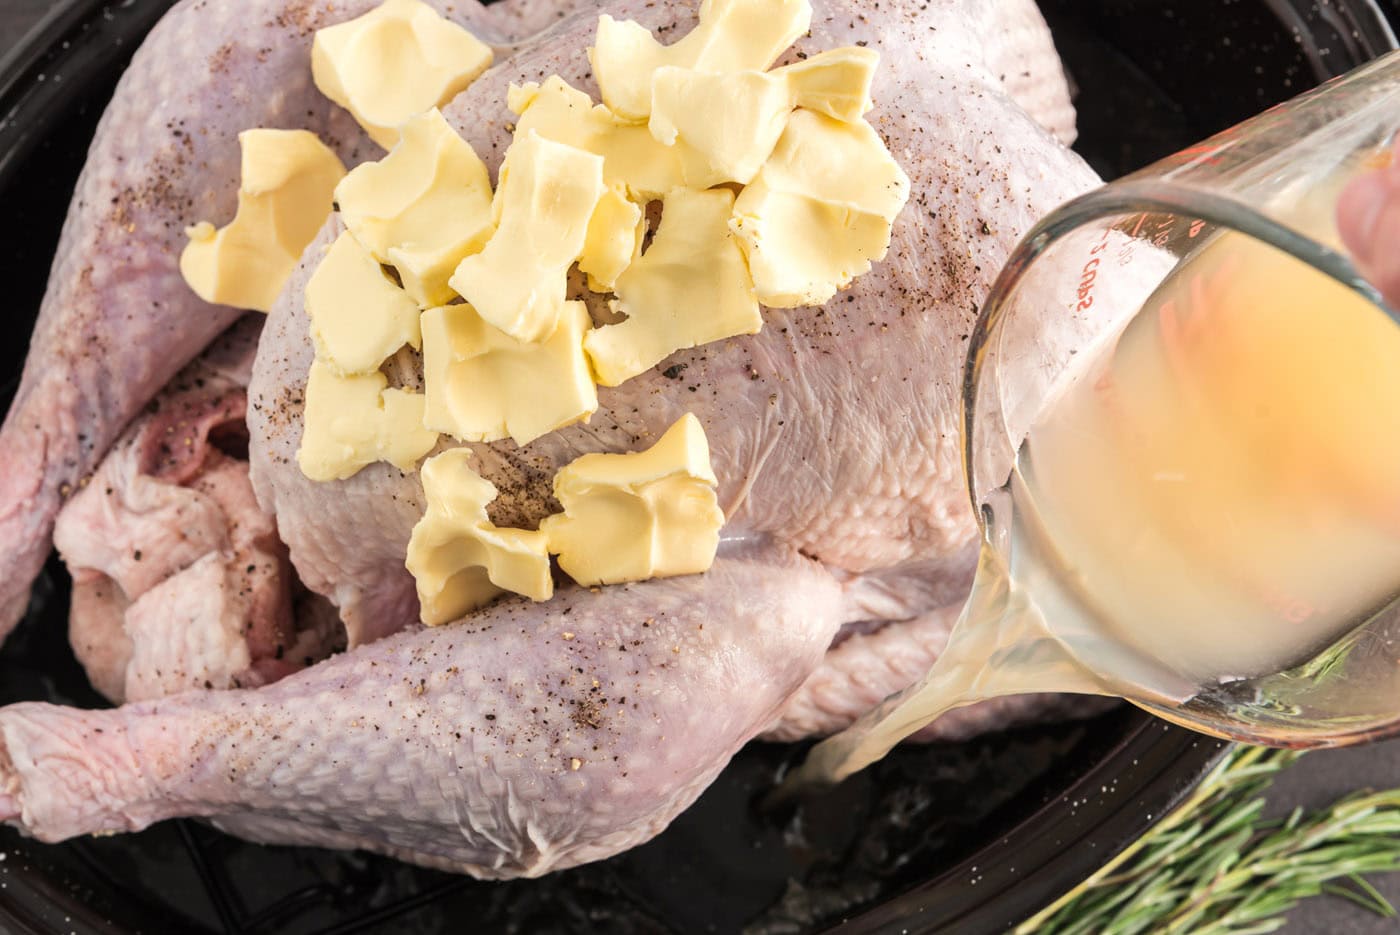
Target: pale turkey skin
(454,747)
(479,746)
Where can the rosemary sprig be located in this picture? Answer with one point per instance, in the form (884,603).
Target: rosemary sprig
(1215,866)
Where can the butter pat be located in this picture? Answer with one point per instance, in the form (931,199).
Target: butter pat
(632,158)
(546,199)
(423,208)
(458,559)
(835,83)
(821,210)
(350,422)
(358,317)
(733,35)
(630,517)
(802,250)
(483,385)
(284,198)
(395,62)
(730,121)
(843,164)
(690,288)
(614,239)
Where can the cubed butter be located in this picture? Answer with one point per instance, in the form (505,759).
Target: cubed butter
(631,156)
(690,288)
(843,164)
(358,317)
(836,82)
(728,122)
(459,560)
(630,517)
(802,250)
(483,385)
(285,196)
(821,210)
(395,62)
(350,422)
(423,208)
(733,35)
(614,239)
(547,195)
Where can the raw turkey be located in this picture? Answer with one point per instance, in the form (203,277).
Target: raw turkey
(531,737)
(179,579)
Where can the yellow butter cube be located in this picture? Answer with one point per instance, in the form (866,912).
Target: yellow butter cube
(821,210)
(835,83)
(632,157)
(353,421)
(630,517)
(725,124)
(733,35)
(398,60)
(358,317)
(690,288)
(423,208)
(546,199)
(459,560)
(284,198)
(483,385)
(614,239)
(729,122)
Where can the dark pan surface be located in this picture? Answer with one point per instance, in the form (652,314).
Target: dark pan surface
(968,838)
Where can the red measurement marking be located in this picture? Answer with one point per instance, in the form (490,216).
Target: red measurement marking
(1196,228)
(1090,275)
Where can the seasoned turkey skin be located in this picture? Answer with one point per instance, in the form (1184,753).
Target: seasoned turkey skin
(499,746)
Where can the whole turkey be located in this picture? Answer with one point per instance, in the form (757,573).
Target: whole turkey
(531,737)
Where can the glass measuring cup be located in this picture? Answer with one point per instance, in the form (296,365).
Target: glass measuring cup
(1275,179)
(1067,294)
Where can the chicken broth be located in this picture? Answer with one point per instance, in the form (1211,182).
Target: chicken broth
(1217,488)
(1211,500)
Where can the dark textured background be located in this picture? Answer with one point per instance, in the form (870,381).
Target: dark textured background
(1321,778)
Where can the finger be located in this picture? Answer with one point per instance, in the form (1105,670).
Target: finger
(1368,219)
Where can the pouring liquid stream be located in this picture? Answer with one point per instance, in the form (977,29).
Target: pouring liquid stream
(1214,499)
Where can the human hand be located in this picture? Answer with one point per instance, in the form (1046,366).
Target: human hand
(1368,218)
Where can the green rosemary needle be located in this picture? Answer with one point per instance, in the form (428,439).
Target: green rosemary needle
(1216,866)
